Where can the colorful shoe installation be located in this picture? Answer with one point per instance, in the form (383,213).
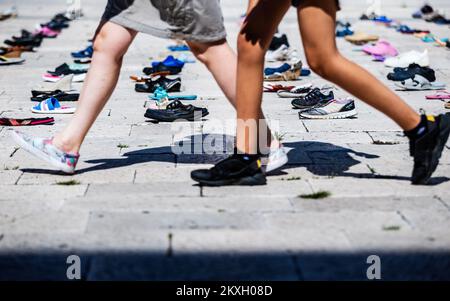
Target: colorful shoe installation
(334,109)
(45,150)
(26,121)
(85,53)
(237,169)
(381,50)
(408,58)
(52,106)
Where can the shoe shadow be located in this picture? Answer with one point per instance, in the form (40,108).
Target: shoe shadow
(319,158)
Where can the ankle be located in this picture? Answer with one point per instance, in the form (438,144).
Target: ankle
(65,145)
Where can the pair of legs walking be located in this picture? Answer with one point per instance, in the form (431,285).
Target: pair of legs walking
(317,19)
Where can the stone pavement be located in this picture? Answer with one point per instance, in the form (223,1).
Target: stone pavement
(134,212)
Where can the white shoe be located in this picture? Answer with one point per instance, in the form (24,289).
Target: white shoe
(64,84)
(281,54)
(335,109)
(412,57)
(277,158)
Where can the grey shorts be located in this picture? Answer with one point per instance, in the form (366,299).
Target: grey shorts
(191,20)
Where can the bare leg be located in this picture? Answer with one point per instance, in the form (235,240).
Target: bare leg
(110,45)
(317,19)
(257,31)
(221,61)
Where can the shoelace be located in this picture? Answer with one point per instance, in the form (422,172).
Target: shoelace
(313,96)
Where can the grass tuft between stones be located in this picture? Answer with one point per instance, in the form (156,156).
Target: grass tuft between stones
(317,195)
(391,228)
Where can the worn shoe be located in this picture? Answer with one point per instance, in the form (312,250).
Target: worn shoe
(45,150)
(277,41)
(427,149)
(175,110)
(401,74)
(297,91)
(235,170)
(408,58)
(334,109)
(312,99)
(150,86)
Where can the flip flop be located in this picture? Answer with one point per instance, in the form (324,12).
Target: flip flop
(27,121)
(52,106)
(439,95)
(276,88)
(175,97)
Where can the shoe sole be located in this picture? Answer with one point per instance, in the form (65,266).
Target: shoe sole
(41,155)
(339,115)
(256,180)
(162,119)
(437,151)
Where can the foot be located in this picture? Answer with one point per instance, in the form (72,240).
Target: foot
(427,148)
(235,170)
(45,150)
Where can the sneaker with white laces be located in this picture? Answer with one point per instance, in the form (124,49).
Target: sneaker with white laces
(281,54)
(412,57)
(334,109)
(277,158)
(45,150)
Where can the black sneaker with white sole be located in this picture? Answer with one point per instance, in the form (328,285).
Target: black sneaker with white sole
(312,99)
(334,109)
(176,111)
(235,170)
(427,148)
(401,74)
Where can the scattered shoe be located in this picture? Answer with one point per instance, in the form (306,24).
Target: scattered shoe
(10,61)
(150,86)
(277,41)
(402,74)
(334,109)
(297,91)
(289,75)
(85,53)
(381,49)
(64,84)
(442,95)
(408,58)
(174,111)
(52,106)
(27,121)
(312,99)
(280,54)
(360,38)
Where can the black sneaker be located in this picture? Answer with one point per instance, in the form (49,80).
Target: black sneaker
(235,170)
(173,70)
(34,41)
(170,85)
(401,74)
(427,149)
(64,69)
(277,41)
(176,111)
(312,99)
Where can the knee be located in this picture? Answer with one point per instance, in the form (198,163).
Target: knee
(104,45)
(200,51)
(323,64)
(249,52)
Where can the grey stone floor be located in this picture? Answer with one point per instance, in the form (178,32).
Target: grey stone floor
(136,214)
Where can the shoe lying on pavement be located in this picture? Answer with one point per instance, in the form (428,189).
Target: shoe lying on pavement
(65,69)
(10,61)
(276,159)
(360,38)
(76,78)
(293,73)
(408,58)
(334,109)
(150,86)
(381,49)
(45,150)
(419,83)
(401,74)
(426,149)
(442,95)
(297,91)
(58,94)
(52,106)
(234,170)
(280,69)
(169,61)
(85,53)
(176,111)
(280,54)
(312,99)
(64,84)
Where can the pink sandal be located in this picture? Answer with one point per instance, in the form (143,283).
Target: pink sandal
(439,95)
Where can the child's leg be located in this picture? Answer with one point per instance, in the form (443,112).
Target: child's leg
(221,61)
(317,26)
(257,31)
(110,45)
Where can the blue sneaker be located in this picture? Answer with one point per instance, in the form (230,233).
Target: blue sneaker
(86,53)
(170,61)
(283,68)
(45,150)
